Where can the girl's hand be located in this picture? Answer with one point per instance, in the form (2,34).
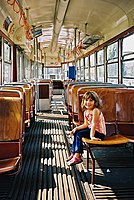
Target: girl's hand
(73,131)
(94,138)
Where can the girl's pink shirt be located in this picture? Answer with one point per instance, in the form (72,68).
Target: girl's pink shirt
(101,128)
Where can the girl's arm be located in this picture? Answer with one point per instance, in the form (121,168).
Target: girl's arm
(96,113)
(84,125)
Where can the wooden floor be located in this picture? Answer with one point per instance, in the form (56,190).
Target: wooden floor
(46,176)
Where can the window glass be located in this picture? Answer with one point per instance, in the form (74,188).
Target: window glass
(78,72)
(100,65)
(112,80)
(27,68)
(100,57)
(64,71)
(40,75)
(92,63)
(112,52)
(86,68)
(86,73)
(112,63)
(7,52)
(128,60)
(18,56)
(112,70)
(53,72)
(100,73)
(7,63)
(7,73)
(82,62)
(92,74)
(112,73)
(128,48)
(86,61)
(128,69)
(128,72)
(82,73)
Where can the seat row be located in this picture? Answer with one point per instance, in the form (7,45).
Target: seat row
(17,112)
(118,110)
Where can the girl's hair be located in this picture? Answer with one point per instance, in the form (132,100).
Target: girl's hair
(94,96)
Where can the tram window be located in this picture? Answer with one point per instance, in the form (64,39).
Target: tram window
(64,71)
(112,52)
(100,65)
(92,60)
(128,60)
(7,52)
(78,72)
(128,48)
(128,72)
(27,68)
(82,72)
(86,68)
(52,76)
(112,73)
(19,65)
(92,67)
(100,73)
(82,69)
(7,73)
(40,75)
(100,57)
(92,73)
(53,71)
(112,63)
(7,63)
(59,73)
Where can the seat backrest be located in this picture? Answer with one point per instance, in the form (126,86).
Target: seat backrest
(74,89)
(23,96)
(68,92)
(43,90)
(28,92)
(125,112)
(11,121)
(125,106)
(9,149)
(107,95)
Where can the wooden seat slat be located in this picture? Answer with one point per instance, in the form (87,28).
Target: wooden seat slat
(109,140)
(7,165)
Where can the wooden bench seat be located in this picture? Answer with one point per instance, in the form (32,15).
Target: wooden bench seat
(108,141)
(11,129)
(121,113)
(10,164)
(28,92)
(72,98)
(23,96)
(10,157)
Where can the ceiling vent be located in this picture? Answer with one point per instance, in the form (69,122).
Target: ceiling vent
(90,40)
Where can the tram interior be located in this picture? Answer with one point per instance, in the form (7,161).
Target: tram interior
(51,53)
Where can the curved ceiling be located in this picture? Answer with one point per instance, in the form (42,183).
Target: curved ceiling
(59,19)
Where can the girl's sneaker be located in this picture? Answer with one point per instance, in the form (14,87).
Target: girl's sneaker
(70,157)
(74,161)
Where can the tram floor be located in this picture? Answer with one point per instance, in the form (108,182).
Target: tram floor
(45,176)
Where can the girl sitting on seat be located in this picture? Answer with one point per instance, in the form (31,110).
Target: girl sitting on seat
(93,127)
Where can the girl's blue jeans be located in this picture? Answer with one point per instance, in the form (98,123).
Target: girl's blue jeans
(77,146)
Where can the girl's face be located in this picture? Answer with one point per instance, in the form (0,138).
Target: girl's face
(89,104)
